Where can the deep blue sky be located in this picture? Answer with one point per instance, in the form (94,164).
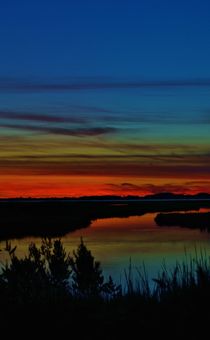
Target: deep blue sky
(150,38)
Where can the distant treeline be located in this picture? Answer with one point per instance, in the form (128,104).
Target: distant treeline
(158,196)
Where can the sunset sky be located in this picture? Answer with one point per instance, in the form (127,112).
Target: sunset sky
(104,97)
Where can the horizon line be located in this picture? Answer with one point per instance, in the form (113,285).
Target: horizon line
(101,196)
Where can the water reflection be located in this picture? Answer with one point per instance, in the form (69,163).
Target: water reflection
(114,241)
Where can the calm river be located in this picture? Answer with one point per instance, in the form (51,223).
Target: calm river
(117,241)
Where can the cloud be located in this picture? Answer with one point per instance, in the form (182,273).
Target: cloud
(83,115)
(122,158)
(35,117)
(183,188)
(202,183)
(7,84)
(99,167)
(88,109)
(77,132)
(125,187)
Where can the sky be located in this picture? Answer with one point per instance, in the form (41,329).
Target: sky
(104,97)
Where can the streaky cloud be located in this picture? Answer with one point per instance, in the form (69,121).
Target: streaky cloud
(32,85)
(88,109)
(77,132)
(45,118)
(183,188)
(81,115)
(110,168)
(168,157)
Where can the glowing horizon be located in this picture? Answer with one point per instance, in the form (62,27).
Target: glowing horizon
(84,154)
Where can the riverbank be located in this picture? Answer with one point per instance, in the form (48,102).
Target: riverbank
(55,218)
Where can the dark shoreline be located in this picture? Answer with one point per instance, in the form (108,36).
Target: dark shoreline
(184,220)
(55,218)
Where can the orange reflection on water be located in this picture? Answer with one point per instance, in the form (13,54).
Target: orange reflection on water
(122,223)
(204,210)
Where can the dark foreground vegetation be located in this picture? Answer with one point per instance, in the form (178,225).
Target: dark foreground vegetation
(51,292)
(57,217)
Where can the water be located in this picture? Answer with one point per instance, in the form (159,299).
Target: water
(117,241)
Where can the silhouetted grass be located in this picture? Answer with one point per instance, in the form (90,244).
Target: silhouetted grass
(52,290)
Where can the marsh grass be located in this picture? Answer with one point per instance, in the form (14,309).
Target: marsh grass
(185,278)
(51,289)
(81,275)
(188,276)
(71,290)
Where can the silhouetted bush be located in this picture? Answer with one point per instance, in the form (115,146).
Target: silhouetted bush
(86,272)
(58,262)
(39,274)
(50,270)
(87,277)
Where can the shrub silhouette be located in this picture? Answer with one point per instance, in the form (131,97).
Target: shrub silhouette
(58,262)
(111,290)
(40,274)
(49,270)
(87,275)
(24,278)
